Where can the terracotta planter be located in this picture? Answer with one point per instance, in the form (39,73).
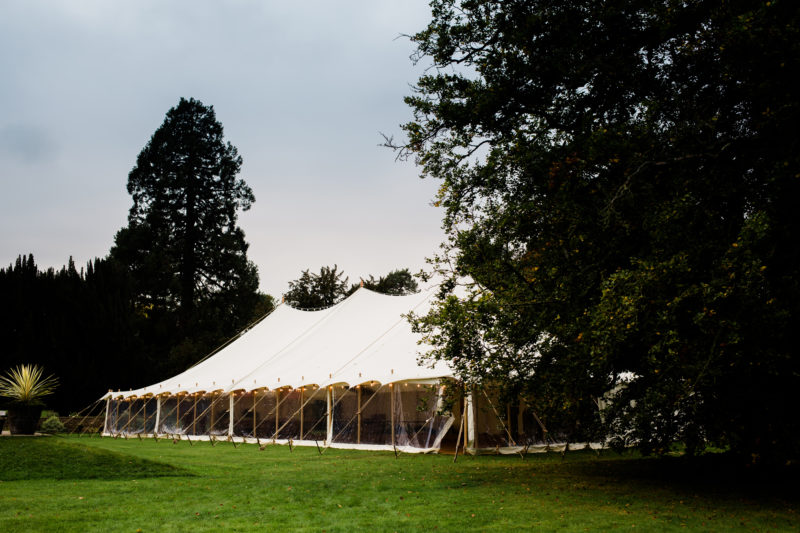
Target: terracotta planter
(24,419)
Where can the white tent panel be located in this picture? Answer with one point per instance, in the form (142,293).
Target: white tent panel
(363,338)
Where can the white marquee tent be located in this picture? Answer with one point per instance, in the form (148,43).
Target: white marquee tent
(344,376)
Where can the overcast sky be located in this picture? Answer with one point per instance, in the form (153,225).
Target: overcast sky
(302,89)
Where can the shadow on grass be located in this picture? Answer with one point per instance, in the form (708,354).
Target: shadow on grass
(24,458)
(713,473)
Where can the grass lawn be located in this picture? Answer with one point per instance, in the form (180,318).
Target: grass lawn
(92,484)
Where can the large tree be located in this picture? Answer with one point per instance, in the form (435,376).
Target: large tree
(312,291)
(619,181)
(182,243)
(329,287)
(396,283)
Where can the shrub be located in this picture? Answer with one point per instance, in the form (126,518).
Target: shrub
(52,425)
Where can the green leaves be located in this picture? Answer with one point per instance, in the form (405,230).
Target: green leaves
(313,291)
(183,246)
(26,384)
(617,182)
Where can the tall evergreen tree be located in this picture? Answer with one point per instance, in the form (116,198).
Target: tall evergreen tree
(185,250)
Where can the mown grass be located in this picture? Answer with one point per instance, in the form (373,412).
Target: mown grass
(59,459)
(160,486)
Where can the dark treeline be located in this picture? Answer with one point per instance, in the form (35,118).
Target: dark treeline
(80,325)
(84,326)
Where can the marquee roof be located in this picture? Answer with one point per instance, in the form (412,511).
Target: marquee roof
(362,339)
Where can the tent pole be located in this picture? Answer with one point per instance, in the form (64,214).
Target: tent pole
(461,428)
(301,412)
(158,415)
(255,425)
(211,425)
(358,411)
(230,413)
(177,412)
(329,417)
(194,416)
(131,418)
(467,426)
(277,414)
(391,407)
(116,415)
(108,407)
(471,424)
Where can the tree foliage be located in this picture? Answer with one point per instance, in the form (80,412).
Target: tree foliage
(619,181)
(312,291)
(329,287)
(396,283)
(185,251)
(79,325)
(182,241)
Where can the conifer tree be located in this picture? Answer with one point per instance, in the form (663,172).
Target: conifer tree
(186,253)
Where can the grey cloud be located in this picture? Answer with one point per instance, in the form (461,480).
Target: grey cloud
(25,143)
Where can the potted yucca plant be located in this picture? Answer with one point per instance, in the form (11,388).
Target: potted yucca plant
(25,385)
